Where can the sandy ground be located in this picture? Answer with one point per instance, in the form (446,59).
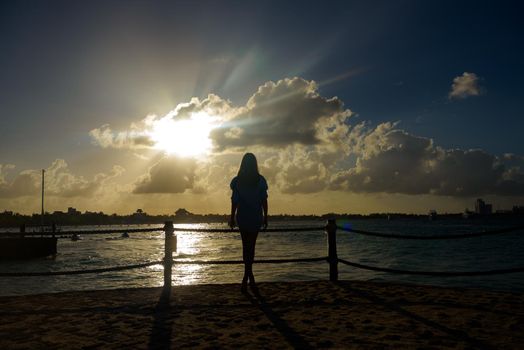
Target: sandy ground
(320,314)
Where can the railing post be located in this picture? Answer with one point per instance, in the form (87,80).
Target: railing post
(331,229)
(168,253)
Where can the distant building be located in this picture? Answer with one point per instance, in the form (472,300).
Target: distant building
(518,209)
(503,211)
(483,208)
(72,211)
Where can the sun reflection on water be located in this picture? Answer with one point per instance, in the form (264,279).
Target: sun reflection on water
(188,246)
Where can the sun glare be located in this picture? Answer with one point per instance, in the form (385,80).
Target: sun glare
(186,137)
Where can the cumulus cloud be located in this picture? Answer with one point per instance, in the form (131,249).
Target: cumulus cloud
(140,135)
(168,175)
(298,169)
(307,143)
(212,104)
(393,161)
(279,114)
(60,182)
(107,138)
(290,111)
(465,85)
(25,183)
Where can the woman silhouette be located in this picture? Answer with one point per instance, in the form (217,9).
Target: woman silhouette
(249,203)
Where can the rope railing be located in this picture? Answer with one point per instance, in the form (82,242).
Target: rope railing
(222,230)
(331,228)
(234,262)
(160,262)
(433,273)
(81,272)
(91,232)
(430,237)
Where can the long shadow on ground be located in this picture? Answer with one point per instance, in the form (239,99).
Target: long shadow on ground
(160,337)
(453,333)
(294,339)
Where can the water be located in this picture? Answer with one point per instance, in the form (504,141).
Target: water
(95,251)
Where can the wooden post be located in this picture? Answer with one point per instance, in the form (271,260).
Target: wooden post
(331,229)
(168,254)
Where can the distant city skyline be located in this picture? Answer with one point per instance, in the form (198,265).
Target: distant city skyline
(355,107)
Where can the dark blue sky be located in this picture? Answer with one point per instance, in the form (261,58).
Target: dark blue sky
(68,67)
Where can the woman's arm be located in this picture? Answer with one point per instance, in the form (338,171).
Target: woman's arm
(264,207)
(233,211)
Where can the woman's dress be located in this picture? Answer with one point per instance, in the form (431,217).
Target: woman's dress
(249,204)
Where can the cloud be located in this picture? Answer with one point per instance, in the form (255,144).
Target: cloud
(168,175)
(280,114)
(307,143)
(290,111)
(132,139)
(298,169)
(464,86)
(212,105)
(59,181)
(141,135)
(26,183)
(393,161)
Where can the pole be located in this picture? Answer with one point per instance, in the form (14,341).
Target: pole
(42,215)
(331,229)
(168,254)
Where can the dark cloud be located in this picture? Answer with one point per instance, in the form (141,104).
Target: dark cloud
(169,175)
(279,114)
(394,161)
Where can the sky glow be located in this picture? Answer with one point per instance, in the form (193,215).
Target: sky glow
(381,106)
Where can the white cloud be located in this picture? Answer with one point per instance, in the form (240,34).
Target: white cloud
(465,85)
(132,139)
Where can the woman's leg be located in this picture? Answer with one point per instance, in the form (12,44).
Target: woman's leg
(251,251)
(249,240)
(245,257)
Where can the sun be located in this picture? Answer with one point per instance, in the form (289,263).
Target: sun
(185,137)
